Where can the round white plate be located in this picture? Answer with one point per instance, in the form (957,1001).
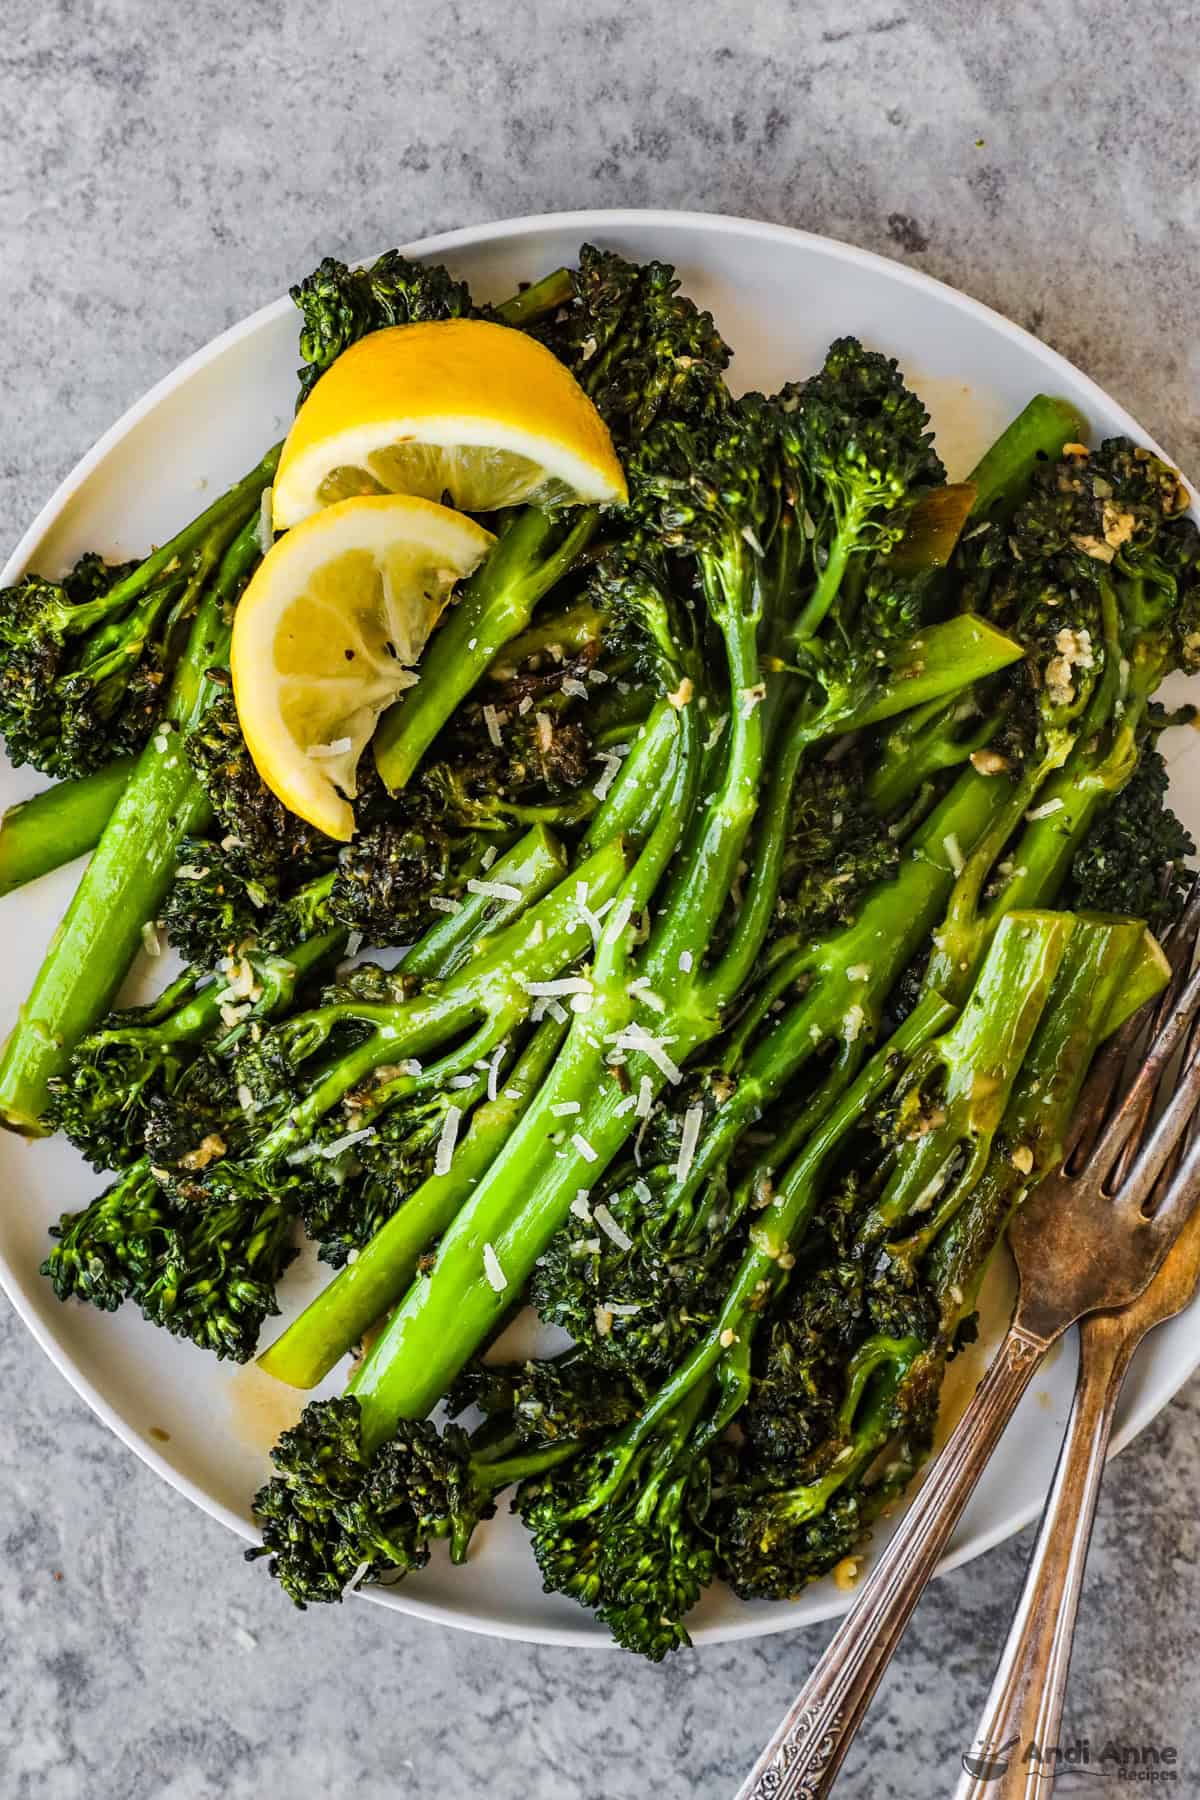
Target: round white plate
(779,296)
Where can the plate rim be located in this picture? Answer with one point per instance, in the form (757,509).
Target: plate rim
(586,222)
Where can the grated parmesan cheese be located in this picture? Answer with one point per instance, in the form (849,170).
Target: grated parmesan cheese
(446,1142)
(611,1229)
(336,1147)
(493,890)
(612,765)
(496,1278)
(692,1120)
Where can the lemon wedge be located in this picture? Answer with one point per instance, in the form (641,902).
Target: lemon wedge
(326,635)
(462,408)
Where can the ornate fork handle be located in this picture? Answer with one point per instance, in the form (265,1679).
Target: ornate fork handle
(1025,1704)
(803,1758)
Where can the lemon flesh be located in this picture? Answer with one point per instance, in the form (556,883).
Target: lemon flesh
(461,409)
(327,634)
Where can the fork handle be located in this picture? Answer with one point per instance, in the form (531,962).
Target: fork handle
(803,1758)
(1026,1700)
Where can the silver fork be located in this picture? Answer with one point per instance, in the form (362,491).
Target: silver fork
(1083,1242)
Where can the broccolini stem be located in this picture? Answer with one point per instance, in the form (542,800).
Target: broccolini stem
(134,862)
(892,923)
(362,1291)
(1091,984)
(1038,434)
(940,660)
(924,743)
(537,300)
(707,867)
(1097,767)
(632,803)
(973,1067)
(580,625)
(532,554)
(59,824)
(525,1194)
(490,992)
(237,504)
(533,865)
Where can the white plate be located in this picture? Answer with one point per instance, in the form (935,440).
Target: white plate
(779,296)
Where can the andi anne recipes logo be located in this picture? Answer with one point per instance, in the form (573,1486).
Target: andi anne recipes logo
(1071,1765)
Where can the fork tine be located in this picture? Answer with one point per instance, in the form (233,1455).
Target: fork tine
(1183,1144)
(1169,1130)
(1131,1113)
(1187,925)
(1178,1201)
(1100,1089)
(1180,951)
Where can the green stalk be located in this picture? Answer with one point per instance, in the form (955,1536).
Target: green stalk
(973,1068)
(1038,433)
(199,1016)
(489,994)
(1068,799)
(941,660)
(760,1272)
(707,866)
(532,554)
(364,1290)
(536,300)
(574,629)
(133,866)
(830,578)
(239,502)
(1089,990)
(426,1341)
(893,922)
(924,743)
(535,864)
(59,824)
(632,803)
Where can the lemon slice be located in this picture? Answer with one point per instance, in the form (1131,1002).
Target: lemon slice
(457,407)
(326,635)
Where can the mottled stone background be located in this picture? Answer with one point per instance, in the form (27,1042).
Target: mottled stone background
(163,170)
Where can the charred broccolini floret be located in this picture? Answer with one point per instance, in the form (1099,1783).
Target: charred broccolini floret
(340,305)
(562,1399)
(1134,859)
(87,662)
(341,1511)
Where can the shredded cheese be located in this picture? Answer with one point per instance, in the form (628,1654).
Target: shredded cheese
(444,1154)
(496,1278)
(611,1229)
